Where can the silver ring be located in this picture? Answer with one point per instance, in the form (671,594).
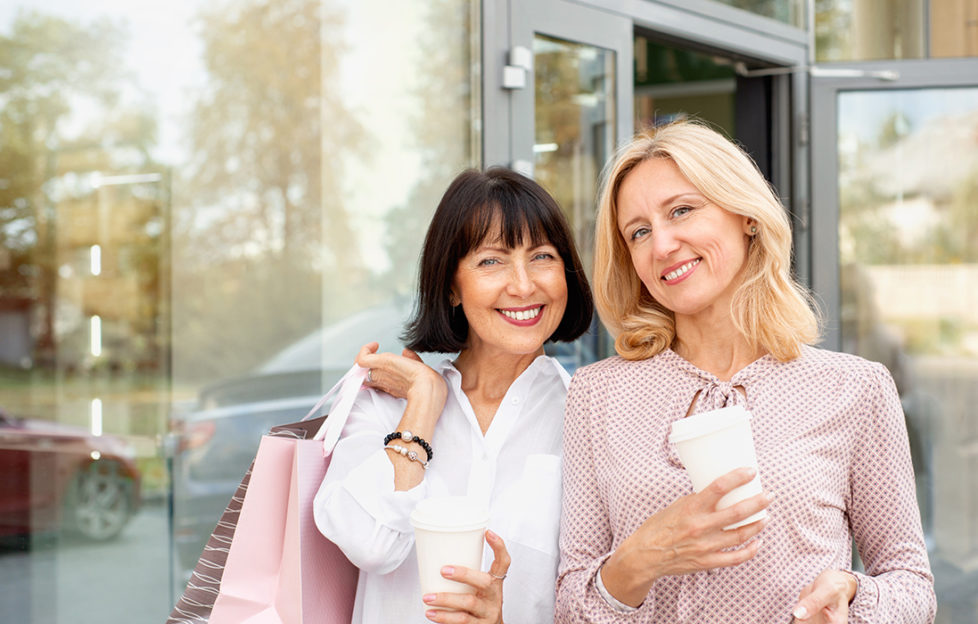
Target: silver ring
(370,375)
(495,576)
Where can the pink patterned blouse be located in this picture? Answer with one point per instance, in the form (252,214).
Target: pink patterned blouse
(832,449)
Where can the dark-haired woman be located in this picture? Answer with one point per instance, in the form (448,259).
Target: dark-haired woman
(499,277)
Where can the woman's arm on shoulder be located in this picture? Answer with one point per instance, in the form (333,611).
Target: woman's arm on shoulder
(356,506)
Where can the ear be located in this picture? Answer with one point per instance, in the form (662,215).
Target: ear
(750,226)
(453,299)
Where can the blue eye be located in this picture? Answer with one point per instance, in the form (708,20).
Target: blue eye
(680,211)
(488,261)
(640,232)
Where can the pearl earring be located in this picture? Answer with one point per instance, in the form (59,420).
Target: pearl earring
(753,229)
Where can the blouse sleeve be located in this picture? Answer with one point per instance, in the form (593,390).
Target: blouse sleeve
(356,506)
(898,585)
(585,529)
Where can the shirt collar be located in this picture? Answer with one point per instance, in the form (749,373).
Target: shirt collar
(543,363)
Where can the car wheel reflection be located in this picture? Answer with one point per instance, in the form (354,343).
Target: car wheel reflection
(98,503)
(58,478)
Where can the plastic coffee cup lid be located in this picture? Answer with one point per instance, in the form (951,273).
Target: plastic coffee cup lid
(708,422)
(450,513)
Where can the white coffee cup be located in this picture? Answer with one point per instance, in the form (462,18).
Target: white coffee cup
(710,445)
(448,530)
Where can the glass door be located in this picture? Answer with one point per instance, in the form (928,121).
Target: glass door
(580,81)
(567,120)
(897,265)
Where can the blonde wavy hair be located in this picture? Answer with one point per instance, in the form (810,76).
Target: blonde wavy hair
(772,310)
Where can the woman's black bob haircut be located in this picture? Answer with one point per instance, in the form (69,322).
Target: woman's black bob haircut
(475,203)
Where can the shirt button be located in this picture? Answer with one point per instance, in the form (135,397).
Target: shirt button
(516,400)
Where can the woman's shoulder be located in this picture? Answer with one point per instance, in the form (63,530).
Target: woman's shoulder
(846,366)
(617,366)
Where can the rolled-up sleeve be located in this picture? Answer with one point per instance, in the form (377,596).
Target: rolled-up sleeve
(357,507)
(898,585)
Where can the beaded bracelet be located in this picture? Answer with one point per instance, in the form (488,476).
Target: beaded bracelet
(412,455)
(407,436)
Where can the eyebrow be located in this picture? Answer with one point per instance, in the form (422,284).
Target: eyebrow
(684,195)
(491,247)
(496,246)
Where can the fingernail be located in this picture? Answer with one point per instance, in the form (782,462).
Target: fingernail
(800,612)
(447,571)
(431,615)
(428,597)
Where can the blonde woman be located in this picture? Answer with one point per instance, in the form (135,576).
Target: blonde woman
(692,276)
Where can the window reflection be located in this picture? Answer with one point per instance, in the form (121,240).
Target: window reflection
(84,228)
(863,30)
(672,82)
(316,187)
(204,212)
(574,114)
(788,11)
(908,231)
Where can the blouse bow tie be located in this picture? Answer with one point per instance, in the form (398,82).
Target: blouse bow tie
(717,394)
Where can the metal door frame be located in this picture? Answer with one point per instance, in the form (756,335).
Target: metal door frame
(508,113)
(507,132)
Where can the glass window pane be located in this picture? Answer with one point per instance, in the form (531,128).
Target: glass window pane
(908,232)
(574,136)
(788,11)
(953,28)
(673,82)
(864,30)
(205,211)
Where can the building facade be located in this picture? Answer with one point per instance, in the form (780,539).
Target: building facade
(207,208)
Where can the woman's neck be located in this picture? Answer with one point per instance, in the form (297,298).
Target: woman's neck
(719,348)
(486,379)
(490,375)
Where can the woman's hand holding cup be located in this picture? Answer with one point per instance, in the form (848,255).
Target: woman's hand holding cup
(687,536)
(485,605)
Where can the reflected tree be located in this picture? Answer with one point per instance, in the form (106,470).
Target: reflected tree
(961,237)
(832,30)
(51,69)
(442,134)
(263,222)
(869,231)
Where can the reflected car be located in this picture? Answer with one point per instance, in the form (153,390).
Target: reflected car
(216,440)
(63,479)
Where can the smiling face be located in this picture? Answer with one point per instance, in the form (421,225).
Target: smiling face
(513,297)
(689,252)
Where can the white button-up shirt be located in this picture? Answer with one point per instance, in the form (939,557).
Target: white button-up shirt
(514,468)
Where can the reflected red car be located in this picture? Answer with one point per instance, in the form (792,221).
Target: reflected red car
(59,478)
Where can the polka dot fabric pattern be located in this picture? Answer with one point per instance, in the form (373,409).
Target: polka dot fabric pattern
(832,448)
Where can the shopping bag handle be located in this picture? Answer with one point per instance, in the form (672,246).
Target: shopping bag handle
(347,387)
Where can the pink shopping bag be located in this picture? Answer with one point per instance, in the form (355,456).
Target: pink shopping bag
(279,569)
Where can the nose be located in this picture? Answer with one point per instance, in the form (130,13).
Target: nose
(520,282)
(664,243)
